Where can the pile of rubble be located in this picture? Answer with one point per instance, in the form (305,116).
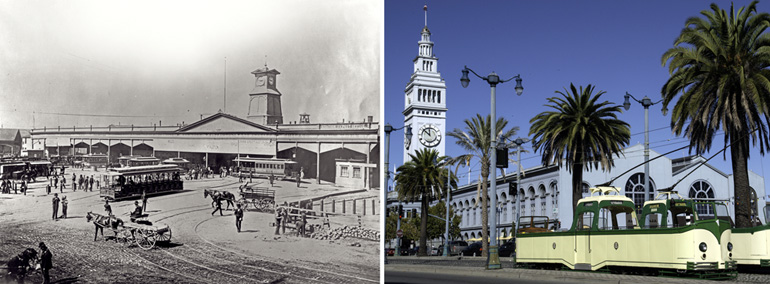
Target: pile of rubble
(346,232)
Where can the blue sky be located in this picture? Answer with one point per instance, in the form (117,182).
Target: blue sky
(613,45)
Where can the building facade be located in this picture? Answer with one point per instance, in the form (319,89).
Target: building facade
(545,191)
(217,140)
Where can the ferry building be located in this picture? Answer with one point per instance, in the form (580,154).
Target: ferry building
(546,190)
(344,153)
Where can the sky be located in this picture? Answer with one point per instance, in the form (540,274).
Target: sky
(615,46)
(81,63)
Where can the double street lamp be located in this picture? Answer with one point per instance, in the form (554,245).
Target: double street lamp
(493,261)
(408,136)
(519,141)
(646,103)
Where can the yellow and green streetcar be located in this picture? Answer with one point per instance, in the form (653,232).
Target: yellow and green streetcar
(607,235)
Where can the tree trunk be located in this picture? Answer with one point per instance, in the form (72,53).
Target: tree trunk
(423,225)
(577,184)
(738,154)
(484,208)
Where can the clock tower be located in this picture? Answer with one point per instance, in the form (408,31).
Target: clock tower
(265,99)
(425,100)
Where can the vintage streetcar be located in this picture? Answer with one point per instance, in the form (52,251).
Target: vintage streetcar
(606,235)
(265,168)
(132,182)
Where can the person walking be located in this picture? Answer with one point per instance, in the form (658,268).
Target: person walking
(91,183)
(55,181)
(55,202)
(47,189)
(218,200)
(301,225)
(46,262)
(74,182)
(278,219)
(238,217)
(107,207)
(24,187)
(64,204)
(63,184)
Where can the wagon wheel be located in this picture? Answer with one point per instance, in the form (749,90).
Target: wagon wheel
(125,237)
(255,203)
(244,204)
(164,237)
(145,239)
(269,205)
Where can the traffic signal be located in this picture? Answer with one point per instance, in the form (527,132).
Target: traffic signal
(502,158)
(400,212)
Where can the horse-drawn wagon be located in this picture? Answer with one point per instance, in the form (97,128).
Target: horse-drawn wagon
(142,232)
(257,198)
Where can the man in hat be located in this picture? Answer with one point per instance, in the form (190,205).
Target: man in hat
(107,207)
(64,204)
(238,217)
(137,211)
(55,202)
(46,262)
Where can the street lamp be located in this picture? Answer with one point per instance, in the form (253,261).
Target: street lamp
(493,261)
(646,103)
(519,141)
(388,130)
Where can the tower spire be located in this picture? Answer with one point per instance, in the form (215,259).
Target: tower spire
(425,8)
(265,62)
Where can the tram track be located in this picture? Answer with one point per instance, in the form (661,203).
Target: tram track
(321,272)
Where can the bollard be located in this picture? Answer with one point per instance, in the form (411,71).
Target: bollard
(343,206)
(334,204)
(363,203)
(354,206)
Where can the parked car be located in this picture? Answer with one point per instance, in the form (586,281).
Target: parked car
(457,247)
(390,251)
(473,249)
(434,251)
(507,249)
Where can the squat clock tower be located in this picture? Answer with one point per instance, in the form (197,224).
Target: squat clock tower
(425,100)
(265,99)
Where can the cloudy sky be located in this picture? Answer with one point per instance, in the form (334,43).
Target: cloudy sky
(108,62)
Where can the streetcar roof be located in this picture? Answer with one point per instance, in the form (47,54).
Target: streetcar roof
(138,170)
(268,160)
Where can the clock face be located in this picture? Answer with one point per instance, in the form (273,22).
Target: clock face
(429,135)
(261,81)
(270,81)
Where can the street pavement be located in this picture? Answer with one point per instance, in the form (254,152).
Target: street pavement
(412,269)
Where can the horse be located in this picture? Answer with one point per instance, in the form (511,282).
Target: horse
(101,221)
(19,265)
(222,195)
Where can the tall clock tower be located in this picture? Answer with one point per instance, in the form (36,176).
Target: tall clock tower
(425,100)
(265,99)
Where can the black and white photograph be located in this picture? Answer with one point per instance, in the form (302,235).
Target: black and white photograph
(190,141)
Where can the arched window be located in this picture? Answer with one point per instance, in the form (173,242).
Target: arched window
(701,189)
(635,190)
(531,191)
(554,194)
(541,191)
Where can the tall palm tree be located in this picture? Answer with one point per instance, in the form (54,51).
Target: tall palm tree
(422,179)
(719,66)
(476,140)
(580,132)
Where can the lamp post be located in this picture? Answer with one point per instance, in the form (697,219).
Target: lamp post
(388,130)
(493,260)
(646,103)
(446,203)
(519,141)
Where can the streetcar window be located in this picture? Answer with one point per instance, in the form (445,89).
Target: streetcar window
(616,218)
(584,221)
(653,220)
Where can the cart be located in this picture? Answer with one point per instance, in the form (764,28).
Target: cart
(258,199)
(144,235)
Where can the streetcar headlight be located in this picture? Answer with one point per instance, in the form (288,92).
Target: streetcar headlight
(703,247)
(730,246)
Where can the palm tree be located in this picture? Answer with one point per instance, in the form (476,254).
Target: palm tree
(476,140)
(422,179)
(719,66)
(579,132)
